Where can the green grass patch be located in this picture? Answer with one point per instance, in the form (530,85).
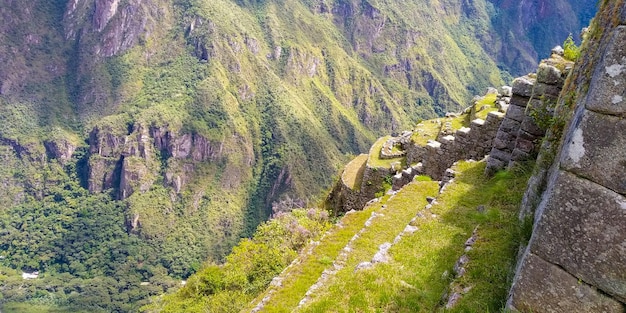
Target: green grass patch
(426,130)
(414,281)
(353,173)
(486,105)
(299,278)
(374,156)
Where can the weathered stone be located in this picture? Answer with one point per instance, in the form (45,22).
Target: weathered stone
(494,117)
(509,126)
(546,92)
(548,74)
(529,126)
(558,50)
(493,165)
(503,144)
(519,155)
(447,140)
(607,92)
(500,155)
(433,144)
(516,113)
(581,229)
(524,145)
(595,150)
(523,86)
(544,287)
(506,91)
(464,131)
(519,101)
(477,123)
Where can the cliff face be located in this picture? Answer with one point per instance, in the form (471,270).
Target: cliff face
(575,260)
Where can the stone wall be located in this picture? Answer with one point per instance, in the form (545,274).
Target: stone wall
(467,143)
(576,258)
(528,114)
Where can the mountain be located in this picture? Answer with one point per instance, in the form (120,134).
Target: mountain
(141,138)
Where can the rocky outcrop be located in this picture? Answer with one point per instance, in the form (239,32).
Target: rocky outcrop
(130,162)
(576,258)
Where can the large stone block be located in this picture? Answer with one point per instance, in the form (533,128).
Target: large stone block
(543,287)
(509,126)
(548,74)
(596,150)
(529,126)
(519,101)
(504,141)
(545,91)
(523,86)
(500,155)
(516,113)
(583,229)
(607,92)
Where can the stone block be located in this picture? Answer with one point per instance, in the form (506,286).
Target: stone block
(607,91)
(506,91)
(503,144)
(509,126)
(527,136)
(519,155)
(447,140)
(583,229)
(494,116)
(548,74)
(433,144)
(464,131)
(523,86)
(516,113)
(543,287)
(477,122)
(500,155)
(595,150)
(495,164)
(545,91)
(519,101)
(524,145)
(529,126)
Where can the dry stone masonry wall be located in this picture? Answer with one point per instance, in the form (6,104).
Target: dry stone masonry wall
(531,106)
(576,258)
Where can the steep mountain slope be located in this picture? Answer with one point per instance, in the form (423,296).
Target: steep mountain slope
(528,29)
(182,123)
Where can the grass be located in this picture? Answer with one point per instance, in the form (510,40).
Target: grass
(487,100)
(299,278)
(374,156)
(353,174)
(414,281)
(427,130)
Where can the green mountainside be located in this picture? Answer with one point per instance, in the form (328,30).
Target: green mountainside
(142,139)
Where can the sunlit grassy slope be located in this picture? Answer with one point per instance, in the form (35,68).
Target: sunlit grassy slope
(419,272)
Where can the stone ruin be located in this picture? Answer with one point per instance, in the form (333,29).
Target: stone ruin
(508,135)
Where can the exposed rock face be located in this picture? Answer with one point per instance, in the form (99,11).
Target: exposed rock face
(576,258)
(118,25)
(129,162)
